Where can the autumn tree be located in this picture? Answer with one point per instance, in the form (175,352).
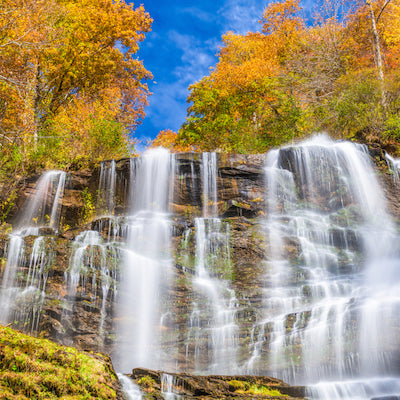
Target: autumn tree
(247,103)
(24,27)
(293,79)
(170,140)
(61,56)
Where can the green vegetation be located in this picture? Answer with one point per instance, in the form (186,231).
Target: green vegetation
(243,387)
(147,383)
(89,207)
(33,369)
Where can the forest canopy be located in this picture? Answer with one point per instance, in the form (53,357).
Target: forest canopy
(71,89)
(336,72)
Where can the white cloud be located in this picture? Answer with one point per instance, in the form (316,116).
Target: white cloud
(196,59)
(242,16)
(198,13)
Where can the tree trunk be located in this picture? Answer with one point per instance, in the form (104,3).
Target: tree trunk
(378,54)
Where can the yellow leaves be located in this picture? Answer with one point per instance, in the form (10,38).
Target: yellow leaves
(243,61)
(170,140)
(390,25)
(281,17)
(67,68)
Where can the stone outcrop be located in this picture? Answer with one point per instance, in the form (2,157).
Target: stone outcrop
(240,387)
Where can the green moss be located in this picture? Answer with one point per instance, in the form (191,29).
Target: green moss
(32,368)
(146,381)
(263,390)
(235,385)
(243,387)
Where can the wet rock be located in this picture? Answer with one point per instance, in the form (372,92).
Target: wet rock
(213,386)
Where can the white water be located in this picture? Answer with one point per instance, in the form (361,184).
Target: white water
(92,261)
(209,180)
(171,387)
(330,316)
(212,324)
(131,390)
(394,167)
(43,208)
(218,301)
(107,188)
(21,299)
(147,263)
(331,298)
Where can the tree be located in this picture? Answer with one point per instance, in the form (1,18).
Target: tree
(377,47)
(56,54)
(24,27)
(247,103)
(170,140)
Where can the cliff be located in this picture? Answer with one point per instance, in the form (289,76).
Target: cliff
(258,261)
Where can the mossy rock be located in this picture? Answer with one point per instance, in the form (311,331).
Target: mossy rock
(32,368)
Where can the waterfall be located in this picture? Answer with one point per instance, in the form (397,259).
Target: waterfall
(107,187)
(170,385)
(212,323)
(394,168)
(327,310)
(167,285)
(21,298)
(147,263)
(44,206)
(218,301)
(209,175)
(92,261)
(131,390)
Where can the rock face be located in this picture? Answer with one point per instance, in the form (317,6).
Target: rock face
(158,385)
(77,318)
(66,284)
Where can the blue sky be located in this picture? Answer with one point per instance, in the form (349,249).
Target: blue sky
(181,48)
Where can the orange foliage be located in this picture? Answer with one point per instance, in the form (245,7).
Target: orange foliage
(54,53)
(390,24)
(169,140)
(294,78)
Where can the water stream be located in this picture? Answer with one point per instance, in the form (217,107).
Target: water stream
(147,262)
(21,298)
(330,311)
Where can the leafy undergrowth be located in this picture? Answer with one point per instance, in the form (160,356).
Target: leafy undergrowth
(32,368)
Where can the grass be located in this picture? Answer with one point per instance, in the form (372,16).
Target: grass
(35,369)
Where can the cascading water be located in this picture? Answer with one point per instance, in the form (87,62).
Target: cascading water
(147,263)
(92,261)
(212,322)
(21,300)
(131,390)
(171,386)
(328,309)
(326,314)
(209,175)
(394,167)
(44,207)
(107,187)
